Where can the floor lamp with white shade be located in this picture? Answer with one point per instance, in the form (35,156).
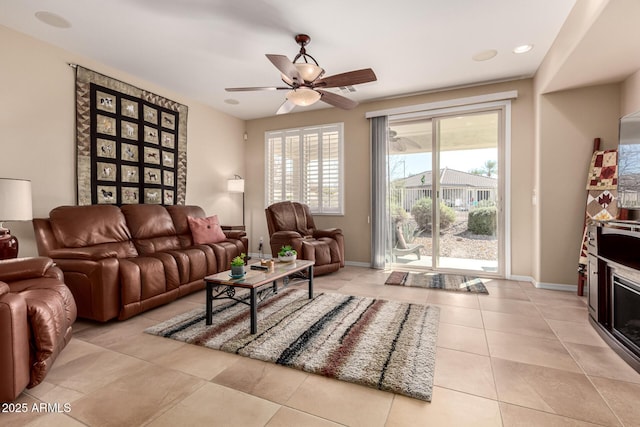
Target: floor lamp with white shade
(236,185)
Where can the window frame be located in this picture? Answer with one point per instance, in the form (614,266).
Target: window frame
(302,190)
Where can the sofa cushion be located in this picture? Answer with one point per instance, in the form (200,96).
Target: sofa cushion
(206,230)
(291,216)
(151,228)
(179,215)
(80,226)
(149,278)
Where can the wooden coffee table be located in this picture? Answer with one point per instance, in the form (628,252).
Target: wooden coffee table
(261,285)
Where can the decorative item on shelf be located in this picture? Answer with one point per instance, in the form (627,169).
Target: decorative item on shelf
(236,185)
(237,266)
(287,254)
(15,205)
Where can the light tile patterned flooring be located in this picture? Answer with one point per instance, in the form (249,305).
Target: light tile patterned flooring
(520,356)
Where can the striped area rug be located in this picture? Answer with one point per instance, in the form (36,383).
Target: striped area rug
(383,344)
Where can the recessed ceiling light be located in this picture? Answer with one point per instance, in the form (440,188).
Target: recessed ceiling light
(523,48)
(231,101)
(53,19)
(485,55)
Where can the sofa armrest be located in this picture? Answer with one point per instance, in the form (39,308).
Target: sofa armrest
(282,236)
(14,344)
(12,270)
(95,285)
(330,232)
(4,288)
(335,234)
(235,234)
(286,237)
(83,253)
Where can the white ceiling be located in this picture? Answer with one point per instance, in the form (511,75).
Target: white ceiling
(199,47)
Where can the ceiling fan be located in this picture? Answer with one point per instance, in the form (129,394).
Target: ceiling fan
(305,81)
(401,143)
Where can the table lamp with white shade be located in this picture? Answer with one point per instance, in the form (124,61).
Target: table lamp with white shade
(15,205)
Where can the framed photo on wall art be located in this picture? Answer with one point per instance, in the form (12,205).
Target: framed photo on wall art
(131,144)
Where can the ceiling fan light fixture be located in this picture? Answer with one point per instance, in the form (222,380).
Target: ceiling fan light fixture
(303,96)
(308,72)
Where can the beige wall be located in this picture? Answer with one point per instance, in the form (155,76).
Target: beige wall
(357,200)
(568,123)
(552,75)
(37,118)
(630,95)
(357,168)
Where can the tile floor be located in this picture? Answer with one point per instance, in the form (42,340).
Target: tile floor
(520,356)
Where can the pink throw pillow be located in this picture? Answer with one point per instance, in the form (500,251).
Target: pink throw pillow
(206,230)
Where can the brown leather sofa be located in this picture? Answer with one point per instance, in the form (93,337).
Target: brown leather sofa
(121,261)
(291,223)
(36,314)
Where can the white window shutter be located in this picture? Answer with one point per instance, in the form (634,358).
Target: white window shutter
(306,165)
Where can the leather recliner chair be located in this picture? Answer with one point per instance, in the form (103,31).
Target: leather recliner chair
(291,223)
(36,314)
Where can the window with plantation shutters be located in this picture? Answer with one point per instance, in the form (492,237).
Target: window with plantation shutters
(305,165)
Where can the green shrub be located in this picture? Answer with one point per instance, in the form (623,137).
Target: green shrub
(447,216)
(483,221)
(421,212)
(486,204)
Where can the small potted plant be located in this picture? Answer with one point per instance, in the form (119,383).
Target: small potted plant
(237,266)
(287,254)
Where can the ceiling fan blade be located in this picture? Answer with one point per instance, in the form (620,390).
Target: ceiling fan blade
(286,67)
(337,100)
(397,146)
(347,79)
(286,107)
(248,89)
(409,142)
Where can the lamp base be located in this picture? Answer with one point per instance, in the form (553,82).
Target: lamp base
(8,245)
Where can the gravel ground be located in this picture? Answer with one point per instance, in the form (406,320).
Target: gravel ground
(457,242)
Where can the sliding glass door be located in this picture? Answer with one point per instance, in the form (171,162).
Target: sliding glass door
(445,191)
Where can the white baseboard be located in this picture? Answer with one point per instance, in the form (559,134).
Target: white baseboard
(556,286)
(543,285)
(358,264)
(521,278)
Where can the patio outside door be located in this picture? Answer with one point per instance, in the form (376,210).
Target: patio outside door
(445,192)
